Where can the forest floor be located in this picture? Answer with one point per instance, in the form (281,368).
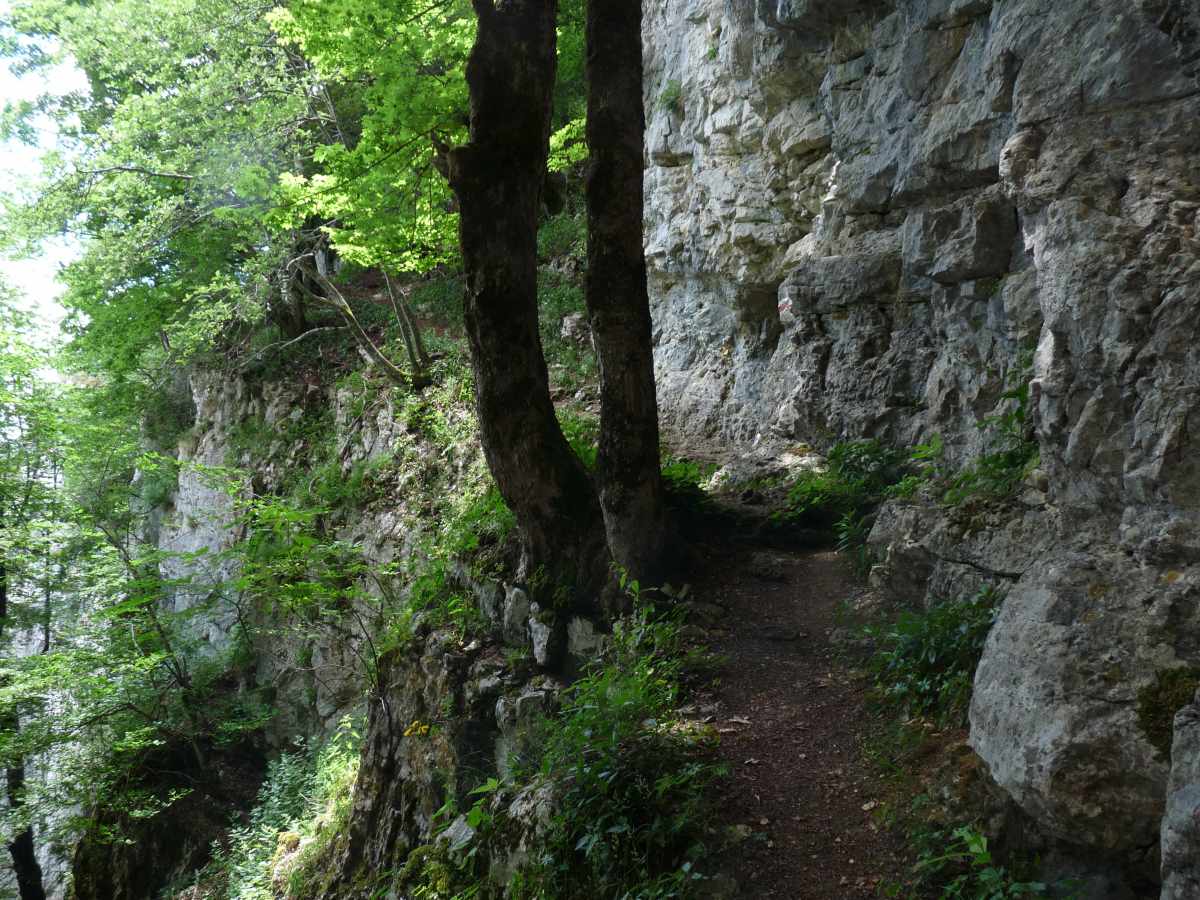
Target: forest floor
(792,718)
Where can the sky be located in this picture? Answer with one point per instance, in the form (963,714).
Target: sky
(34,279)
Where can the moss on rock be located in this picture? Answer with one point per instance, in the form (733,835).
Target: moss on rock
(1172,690)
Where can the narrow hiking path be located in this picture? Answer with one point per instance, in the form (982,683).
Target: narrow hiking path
(791,719)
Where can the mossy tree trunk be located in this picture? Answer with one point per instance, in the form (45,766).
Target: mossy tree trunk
(631,491)
(498,178)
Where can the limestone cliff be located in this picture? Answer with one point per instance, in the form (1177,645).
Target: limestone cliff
(872,218)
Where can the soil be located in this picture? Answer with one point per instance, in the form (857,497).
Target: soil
(792,718)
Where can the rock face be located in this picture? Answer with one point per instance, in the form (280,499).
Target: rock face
(874,218)
(1181,824)
(446,714)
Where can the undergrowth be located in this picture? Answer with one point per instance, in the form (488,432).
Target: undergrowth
(958,864)
(922,669)
(628,777)
(924,661)
(1010,453)
(303,807)
(632,777)
(853,480)
(841,497)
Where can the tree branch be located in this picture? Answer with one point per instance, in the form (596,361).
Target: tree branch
(280,346)
(139,170)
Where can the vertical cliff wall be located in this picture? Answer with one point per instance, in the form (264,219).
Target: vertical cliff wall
(873,218)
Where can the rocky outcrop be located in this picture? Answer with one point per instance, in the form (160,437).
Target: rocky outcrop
(1181,824)
(446,716)
(248,436)
(874,219)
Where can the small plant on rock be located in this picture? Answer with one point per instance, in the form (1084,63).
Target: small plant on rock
(1012,452)
(671,98)
(852,531)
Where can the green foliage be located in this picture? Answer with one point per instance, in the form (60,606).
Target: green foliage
(398,67)
(158,478)
(685,475)
(683,481)
(1172,690)
(924,662)
(568,145)
(852,531)
(816,499)
(31,427)
(440,294)
(671,98)
(582,433)
(1011,452)
(303,807)
(167,414)
(572,365)
(868,465)
(632,813)
(219,145)
(563,235)
(475,533)
(959,865)
(855,479)
(170,171)
(485,522)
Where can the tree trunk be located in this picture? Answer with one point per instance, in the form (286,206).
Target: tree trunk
(631,492)
(21,848)
(498,180)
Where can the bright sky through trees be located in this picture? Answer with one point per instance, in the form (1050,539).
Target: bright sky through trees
(34,279)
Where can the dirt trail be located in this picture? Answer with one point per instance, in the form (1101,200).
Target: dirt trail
(791,720)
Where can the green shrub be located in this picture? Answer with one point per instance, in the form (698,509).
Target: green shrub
(562,235)
(303,803)
(925,662)
(484,522)
(1011,452)
(855,480)
(852,531)
(634,810)
(158,479)
(682,484)
(440,294)
(685,475)
(582,433)
(869,464)
(558,295)
(167,415)
(817,499)
(959,865)
(573,364)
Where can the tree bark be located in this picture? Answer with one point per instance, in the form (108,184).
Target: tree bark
(21,847)
(631,491)
(497,178)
